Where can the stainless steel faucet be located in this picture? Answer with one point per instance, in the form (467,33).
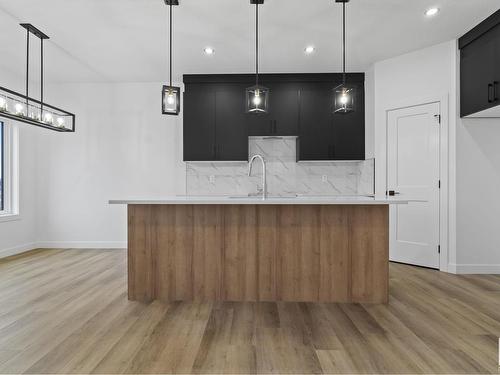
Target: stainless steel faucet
(264,173)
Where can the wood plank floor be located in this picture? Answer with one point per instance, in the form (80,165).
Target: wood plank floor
(66,311)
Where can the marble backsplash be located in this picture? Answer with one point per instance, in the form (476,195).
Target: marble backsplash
(285,177)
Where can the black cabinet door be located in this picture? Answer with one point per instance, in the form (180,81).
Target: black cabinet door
(283,116)
(259,124)
(199,123)
(478,69)
(327,136)
(496,66)
(284,110)
(231,130)
(316,134)
(349,131)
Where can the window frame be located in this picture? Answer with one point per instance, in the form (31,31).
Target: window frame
(10,159)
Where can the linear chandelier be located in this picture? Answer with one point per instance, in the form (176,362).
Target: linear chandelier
(23,108)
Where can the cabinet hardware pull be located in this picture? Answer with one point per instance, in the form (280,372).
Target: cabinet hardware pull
(495,91)
(490,89)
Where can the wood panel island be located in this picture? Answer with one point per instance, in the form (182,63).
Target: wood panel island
(304,249)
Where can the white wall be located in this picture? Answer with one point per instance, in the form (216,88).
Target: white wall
(123,148)
(478,196)
(427,75)
(474,169)
(409,78)
(20,235)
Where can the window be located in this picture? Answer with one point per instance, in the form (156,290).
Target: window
(2,189)
(8,172)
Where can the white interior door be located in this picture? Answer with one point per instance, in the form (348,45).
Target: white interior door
(413,172)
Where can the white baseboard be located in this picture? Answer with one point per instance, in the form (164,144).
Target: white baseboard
(452,268)
(118,245)
(82,245)
(474,269)
(18,249)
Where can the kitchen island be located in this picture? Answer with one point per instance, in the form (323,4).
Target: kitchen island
(310,249)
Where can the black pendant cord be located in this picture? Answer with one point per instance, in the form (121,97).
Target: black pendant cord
(27,67)
(30,29)
(171,44)
(257,43)
(343,42)
(28,72)
(41,78)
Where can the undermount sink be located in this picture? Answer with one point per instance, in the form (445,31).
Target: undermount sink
(257,197)
(305,197)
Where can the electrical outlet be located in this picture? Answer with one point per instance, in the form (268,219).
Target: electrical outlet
(212,179)
(324,178)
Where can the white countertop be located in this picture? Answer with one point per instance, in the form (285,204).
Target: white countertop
(301,200)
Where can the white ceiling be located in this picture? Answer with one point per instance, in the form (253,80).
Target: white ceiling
(126,40)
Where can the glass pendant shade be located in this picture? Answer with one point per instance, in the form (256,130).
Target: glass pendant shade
(344,99)
(345,95)
(170,95)
(257,99)
(171,100)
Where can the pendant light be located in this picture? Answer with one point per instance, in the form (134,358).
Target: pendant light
(23,108)
(257,97)
(344,94)
(171,95)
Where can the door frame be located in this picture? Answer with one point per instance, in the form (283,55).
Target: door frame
(444,161)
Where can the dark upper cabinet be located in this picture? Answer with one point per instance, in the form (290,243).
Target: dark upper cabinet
(216,126)
(349,130)
(480,69)
(214,123)
(316,134)
(199,123)
(231,132)
(327,136)
(283,116)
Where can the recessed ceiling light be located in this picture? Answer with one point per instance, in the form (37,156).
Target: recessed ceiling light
(309,49)
(431,12)
(209,51)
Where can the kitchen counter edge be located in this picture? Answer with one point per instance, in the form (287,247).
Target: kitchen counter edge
(268,201)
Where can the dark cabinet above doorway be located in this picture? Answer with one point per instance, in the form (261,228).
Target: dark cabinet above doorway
(216,127)
(480,69)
